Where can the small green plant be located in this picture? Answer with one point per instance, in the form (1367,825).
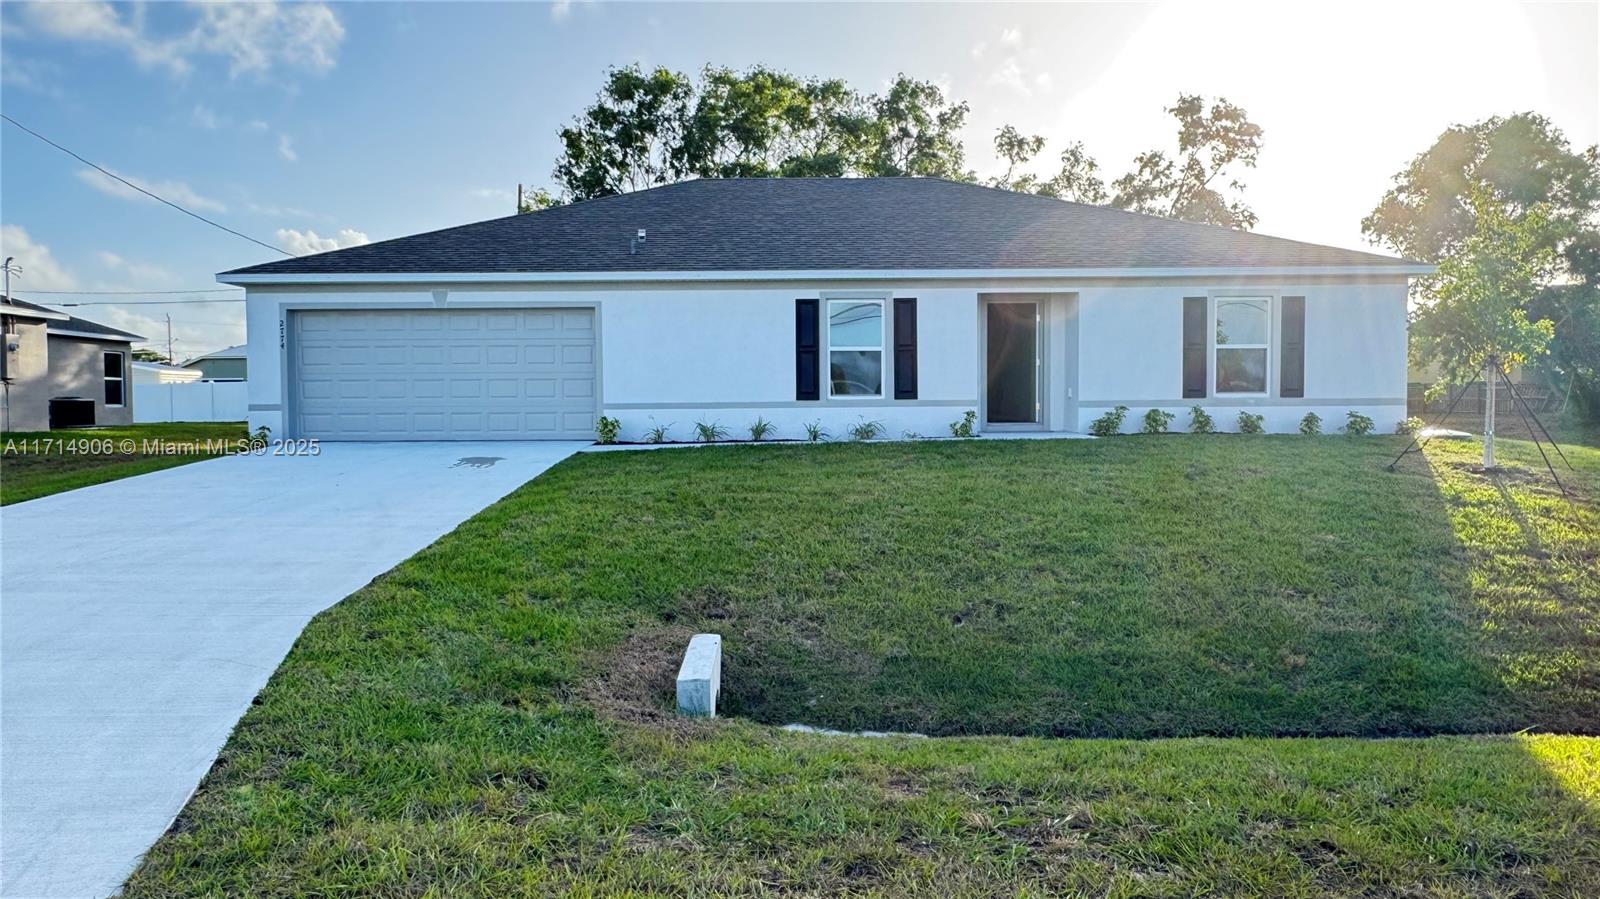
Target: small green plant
(866,430)
(814,431)
(1110,423)
(1200,421)
(1311,425)
(1251,424)
(709,432)
(657,433)
(1156,421)
(966,426)
(1410,426)
(607,429)
(760,429)
(1357,425)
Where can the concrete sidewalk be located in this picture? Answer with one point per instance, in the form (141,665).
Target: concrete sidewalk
(139,618)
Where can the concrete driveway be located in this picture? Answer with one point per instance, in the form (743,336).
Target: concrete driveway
(140,617)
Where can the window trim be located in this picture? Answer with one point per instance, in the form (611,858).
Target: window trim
(1270,346)
(106,378)
(882,301)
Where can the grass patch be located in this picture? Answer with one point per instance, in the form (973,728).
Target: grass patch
(455,728)
(28,474)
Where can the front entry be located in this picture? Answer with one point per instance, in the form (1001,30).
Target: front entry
(1013,363)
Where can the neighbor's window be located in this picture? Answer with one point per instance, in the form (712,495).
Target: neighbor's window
(1244,329)
(114,388)
(855,347)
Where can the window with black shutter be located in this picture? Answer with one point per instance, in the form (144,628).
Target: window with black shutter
(1194,347)
(1292,355)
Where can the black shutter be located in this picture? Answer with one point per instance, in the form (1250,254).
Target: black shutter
(807,349)
(1292,376)
(905,348)
(1194,347)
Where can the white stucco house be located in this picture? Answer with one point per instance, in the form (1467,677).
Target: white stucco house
(905,301)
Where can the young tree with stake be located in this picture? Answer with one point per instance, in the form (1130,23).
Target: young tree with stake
(1472,317)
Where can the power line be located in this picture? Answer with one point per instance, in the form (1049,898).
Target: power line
(108,293)
(147,193)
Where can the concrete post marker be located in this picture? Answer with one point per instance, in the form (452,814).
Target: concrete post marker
(700,676)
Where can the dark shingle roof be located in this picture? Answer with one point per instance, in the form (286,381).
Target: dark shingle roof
(818,224)
(84,326)
(14,306)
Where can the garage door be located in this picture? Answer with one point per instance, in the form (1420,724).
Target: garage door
(436,374)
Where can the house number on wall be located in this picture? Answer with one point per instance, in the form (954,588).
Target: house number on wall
(280,333)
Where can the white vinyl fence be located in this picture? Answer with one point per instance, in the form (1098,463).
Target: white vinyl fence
(194,401)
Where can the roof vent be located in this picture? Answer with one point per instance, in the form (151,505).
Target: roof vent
(636,243)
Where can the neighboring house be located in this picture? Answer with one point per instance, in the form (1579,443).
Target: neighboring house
(161,373)
(227,364)
(905,301)
(62,371)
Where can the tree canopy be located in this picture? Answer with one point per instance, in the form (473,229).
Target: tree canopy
(1513,168)
(647,128)
(650,128)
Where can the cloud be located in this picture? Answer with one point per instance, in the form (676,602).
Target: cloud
(40,271)
(1011,37)
(254,37)
(30,74)
(110,259)
(560,9)
(176,191)
(491,193)
(145,273)
(304,243)
(283,211)
(1010,75)
(205,118)
(257,125)
(980,48)
(286,148)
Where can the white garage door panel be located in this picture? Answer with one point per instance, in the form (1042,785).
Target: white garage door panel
(436,374)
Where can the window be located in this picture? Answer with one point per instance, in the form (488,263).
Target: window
(855,347)
(114,388)
(1244,330)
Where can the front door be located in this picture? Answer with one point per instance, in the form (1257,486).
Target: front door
(1013,357)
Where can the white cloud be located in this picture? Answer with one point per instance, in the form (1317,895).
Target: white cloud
(110,259)
(30,74)
(1011,37)
(490,193)
(257,125)
(40,271)
(1010,75)
(286,148)
(283,211)
(253,37)
(304,243)
(176,191)
(1043,81)
(560,9)
(980,48)
(205,118)
(147,275)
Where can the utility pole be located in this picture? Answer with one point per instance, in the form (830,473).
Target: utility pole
(170,360)
(519,199)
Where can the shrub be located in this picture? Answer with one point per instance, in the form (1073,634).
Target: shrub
(657,433)
(814,431)
(1410,426)
(1251,424)
(964,427)
(1200,421)
(1110,423)
(709,432)
(1156,421)
(607,429)
(760,429)
(865,430)
(1357,424)
(1311,425)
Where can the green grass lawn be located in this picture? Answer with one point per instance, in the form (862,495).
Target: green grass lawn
(491,717)
(29,472)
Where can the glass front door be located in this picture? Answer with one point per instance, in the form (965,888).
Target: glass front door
(1013,345)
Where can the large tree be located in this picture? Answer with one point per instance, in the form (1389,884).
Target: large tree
(649,128)
(1513,166)
(1213,144)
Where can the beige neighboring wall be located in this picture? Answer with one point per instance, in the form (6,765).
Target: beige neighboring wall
(25,401)
(77,369)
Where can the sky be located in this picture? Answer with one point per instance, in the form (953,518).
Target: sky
(312,126)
